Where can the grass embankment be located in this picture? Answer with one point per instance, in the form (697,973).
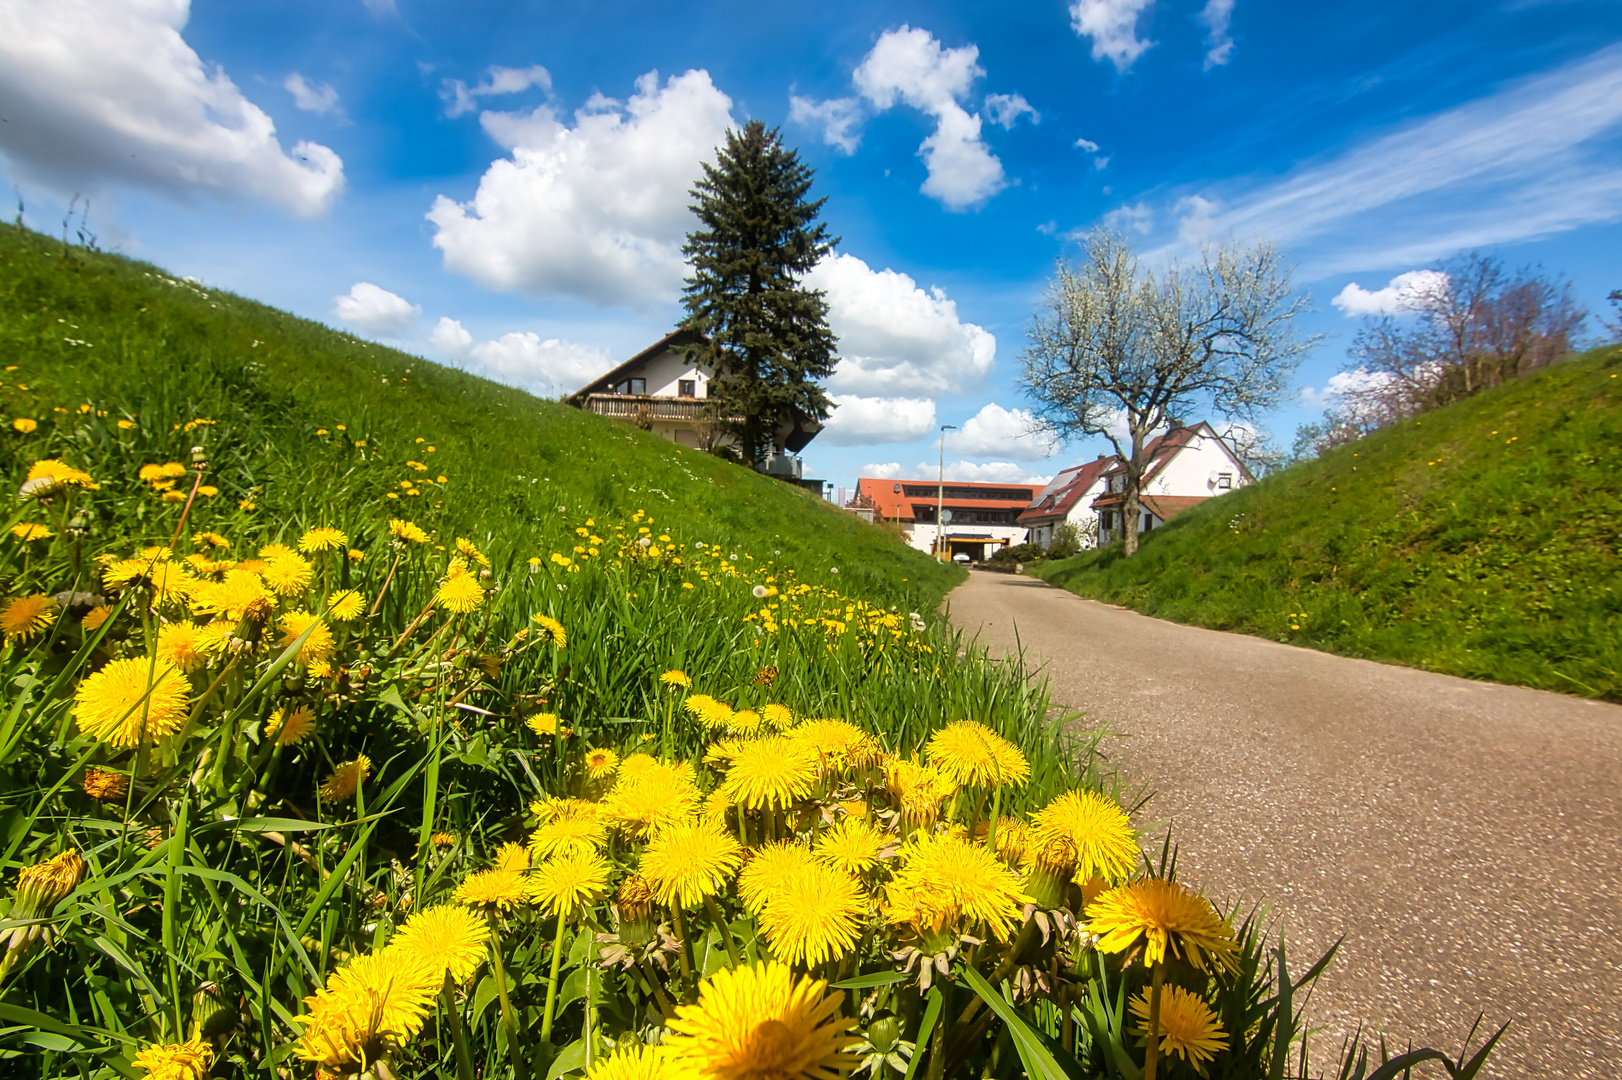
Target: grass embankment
(85,328)
(1479,540)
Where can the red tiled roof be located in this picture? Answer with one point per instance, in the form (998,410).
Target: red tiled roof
(1162,448)
(897,505)
(1056,501)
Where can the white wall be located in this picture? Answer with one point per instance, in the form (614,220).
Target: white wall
(922,536)
(1189,471)
(665,370)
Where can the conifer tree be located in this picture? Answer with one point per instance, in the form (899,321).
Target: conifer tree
(759,235)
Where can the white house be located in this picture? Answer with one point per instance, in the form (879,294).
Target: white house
(664,389)
(1187,465)
(979,518)
(1068,498)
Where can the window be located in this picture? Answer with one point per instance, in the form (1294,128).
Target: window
(1225,481)
(687,388)
(639,387)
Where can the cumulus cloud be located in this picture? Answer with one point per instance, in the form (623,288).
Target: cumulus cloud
(908,65)
(461,99)
(97,91)
(996,432)
(1196,221)
(318,98)
(1113,26)
(895,338)
(1006,109)
(1344,385)
(868,421)
(837,119)
(1215,16)
(376,310)
(596,211)
(1139,218)
(989,472)
(1401,293)
(546,366)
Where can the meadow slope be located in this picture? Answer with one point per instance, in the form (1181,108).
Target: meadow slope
(1479,540)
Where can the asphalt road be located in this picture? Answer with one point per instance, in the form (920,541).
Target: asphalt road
(1465,837)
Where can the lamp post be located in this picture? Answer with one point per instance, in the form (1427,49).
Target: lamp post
(940,499)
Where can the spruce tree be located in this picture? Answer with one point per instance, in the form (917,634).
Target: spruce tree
(759,235)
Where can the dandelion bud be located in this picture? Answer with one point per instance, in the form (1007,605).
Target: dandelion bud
(211,1014)
(484,575)
(104,786)
(39,889)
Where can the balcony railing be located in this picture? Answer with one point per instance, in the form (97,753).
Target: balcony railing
(629,406)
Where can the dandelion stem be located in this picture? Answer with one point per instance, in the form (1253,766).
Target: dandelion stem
(684,954)
(552,982)
(384,590)
(991,825)
(1151,1055)
(515,1037)
(726,931)
(665,1008)
(453,1019)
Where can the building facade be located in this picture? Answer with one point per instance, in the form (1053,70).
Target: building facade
(1187,465)
(978,519)
(1068,498)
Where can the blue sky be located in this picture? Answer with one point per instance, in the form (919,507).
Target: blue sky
(502,186)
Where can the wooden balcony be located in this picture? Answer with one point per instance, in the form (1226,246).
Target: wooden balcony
(631,406)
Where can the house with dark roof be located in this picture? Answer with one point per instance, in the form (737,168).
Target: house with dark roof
(665,389)
(1187,465)
(976,519)
(1068,498)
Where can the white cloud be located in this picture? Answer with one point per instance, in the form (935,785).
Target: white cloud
(1399,295)
(1196,222)
(100,91)
(896,339)
(1216,16)
(1536,158)
(990,472)
(450,338)
(597,211)
(381,8)
(996,432)
(909,66)
(1139,218)
(316,98)
(376,310)
(1343,385)
(867,421)
(1006,109)
(460,98)
(1113,26)
(837,117)
(1088,145)
(549,367)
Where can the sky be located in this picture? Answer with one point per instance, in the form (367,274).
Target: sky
(504,186)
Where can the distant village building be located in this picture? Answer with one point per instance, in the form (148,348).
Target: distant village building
(1068,498)
(1187,465)
(978,519)
(665,389)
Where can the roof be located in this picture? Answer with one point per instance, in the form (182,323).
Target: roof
(1164,507)
(677,338)
(1162,448)
(897,504)
(1054,502)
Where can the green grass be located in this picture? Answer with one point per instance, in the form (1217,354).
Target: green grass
(154,346)
(1479,540)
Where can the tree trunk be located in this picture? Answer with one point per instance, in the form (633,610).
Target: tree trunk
(1129,521)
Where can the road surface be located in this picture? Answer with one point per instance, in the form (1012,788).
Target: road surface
(1465,837)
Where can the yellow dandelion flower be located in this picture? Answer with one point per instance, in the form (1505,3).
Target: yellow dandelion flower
(104,785)
(345,605)
(569,883)
(365,1010)
(551,630)
(543,723)
(444,940)
(496,890)
(213,540)
(688,861)
(460,593)
(45,477)
(675,680)
(814,914)
(571,834)
(1015,838)
(185,645)
(467,547)
(290,729)
(1089,832)
(131,699)
(659,795)
(769,866)
(25,425)
(777,716)
(45,884)
(176,1061)
(839,744)
(511,856)
(24,617)
(346,779)
(640,1062)
(760,1022)
(1188,1027)
(240,596)
(323,538)
(959,885)
(288,574)
(851,844)
(971,754)
(406,532)
(601,763)
(442,839)
(773,772)
(318,646)
(1166,918)
(95,617)
(28,531)
(917,790)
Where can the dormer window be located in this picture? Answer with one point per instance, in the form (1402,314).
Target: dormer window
(1225,481)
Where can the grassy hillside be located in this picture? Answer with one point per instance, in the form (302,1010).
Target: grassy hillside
(1480,540)
(81,329)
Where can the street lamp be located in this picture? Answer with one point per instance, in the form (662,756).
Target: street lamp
(940,498)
